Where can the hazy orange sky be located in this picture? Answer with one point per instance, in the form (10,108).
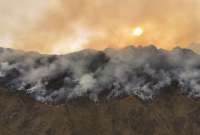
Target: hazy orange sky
(62,26)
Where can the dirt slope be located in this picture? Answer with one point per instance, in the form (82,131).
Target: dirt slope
(170,114)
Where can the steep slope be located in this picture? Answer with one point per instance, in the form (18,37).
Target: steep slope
(131,91)
(170,114)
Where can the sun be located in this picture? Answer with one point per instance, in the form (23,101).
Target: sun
(137,31)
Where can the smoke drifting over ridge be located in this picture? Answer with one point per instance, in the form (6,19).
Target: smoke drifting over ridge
(64,25)
(101,75)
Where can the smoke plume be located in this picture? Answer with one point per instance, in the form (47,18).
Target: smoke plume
(101,75)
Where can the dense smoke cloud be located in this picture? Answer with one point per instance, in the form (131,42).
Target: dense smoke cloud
(68,25)
(101,75)
(195,47)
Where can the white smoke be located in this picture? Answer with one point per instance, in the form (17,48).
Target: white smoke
(195,47)
(142,71)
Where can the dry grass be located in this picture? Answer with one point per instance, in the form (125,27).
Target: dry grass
(171,114)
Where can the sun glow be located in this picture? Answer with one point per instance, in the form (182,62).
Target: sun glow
(136,32)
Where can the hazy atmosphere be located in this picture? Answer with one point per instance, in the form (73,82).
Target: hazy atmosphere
(99,67)
(63,26)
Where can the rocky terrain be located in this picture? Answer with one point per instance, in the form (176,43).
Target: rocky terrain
(170,114)
(130,91)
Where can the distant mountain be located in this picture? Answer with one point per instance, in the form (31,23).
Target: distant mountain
(145,72)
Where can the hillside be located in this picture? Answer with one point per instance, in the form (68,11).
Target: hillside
(129,91)
(170,114)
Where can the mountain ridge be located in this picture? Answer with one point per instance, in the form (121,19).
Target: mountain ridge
(101,75)
(114,109)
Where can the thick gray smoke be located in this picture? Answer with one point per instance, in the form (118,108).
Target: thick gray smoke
(101,75)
